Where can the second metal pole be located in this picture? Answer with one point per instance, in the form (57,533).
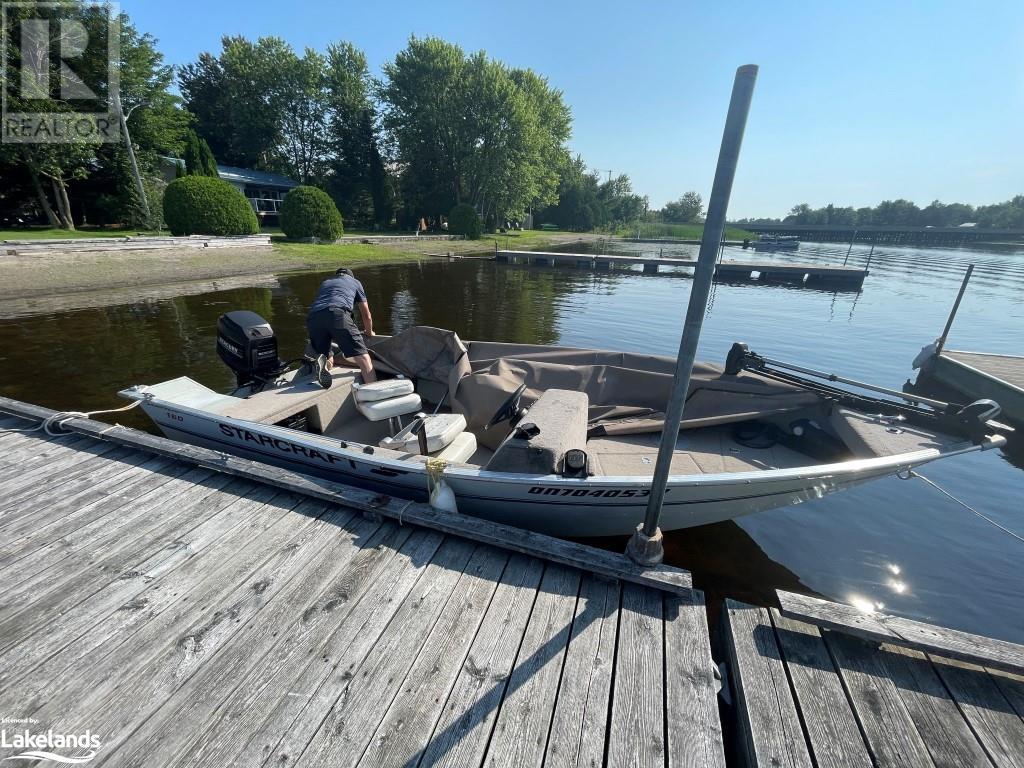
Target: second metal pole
(956,307)
(645,547)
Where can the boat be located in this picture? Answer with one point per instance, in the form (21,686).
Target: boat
(776,243)
(559,440)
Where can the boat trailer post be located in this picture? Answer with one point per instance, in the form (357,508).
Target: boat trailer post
(952,314)
(645,546)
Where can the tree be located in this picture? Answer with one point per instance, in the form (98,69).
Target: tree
(199,160)
(238,98)
(468,129)
(579,207)
(686,210)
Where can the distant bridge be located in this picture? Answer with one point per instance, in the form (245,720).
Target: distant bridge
(890,234)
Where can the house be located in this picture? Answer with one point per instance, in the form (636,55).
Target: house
(263,190)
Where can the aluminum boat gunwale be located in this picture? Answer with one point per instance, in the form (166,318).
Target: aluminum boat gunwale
(852,467)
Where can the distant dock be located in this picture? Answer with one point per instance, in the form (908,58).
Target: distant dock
(766,270)
(194,609)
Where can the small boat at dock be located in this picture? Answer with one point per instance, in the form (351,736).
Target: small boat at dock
(776,243)
(558,439)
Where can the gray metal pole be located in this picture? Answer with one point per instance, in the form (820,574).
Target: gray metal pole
(645,546)
(956,307)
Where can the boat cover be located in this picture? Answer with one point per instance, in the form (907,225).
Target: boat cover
(627,391)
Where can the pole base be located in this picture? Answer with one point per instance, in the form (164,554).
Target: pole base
(646,550)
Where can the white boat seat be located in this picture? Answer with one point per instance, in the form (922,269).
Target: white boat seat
(385,389)
(441,431)
(460,449)
(381,410)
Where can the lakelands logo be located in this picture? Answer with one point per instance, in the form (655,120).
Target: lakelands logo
(61,73)
(68,749)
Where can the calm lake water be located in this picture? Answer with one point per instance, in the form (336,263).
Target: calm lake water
(897,543)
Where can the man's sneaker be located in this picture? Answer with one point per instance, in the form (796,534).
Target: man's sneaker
(323,376)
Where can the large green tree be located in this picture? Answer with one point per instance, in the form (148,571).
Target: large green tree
(469,129)
(149,117)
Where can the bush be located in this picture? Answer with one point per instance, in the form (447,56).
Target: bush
(464,221)
(202,205)
(310,212)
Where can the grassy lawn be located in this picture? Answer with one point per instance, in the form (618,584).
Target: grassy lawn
(682,231)
(49,233)
(330,255)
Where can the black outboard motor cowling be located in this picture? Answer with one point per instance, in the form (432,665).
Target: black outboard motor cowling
(247,345)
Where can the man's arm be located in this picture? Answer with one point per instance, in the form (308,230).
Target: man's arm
(364,311)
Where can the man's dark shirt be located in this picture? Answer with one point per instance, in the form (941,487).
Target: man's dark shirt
(343,291)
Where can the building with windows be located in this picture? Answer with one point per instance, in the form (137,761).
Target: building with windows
(263,190)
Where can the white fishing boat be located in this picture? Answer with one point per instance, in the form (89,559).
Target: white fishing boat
(556,439)
(776,243)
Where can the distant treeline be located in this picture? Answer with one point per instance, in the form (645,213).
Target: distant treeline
(1007,215)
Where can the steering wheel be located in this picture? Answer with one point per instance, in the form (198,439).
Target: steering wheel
(509,409)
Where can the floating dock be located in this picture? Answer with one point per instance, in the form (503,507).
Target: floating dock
(765,270)
(976,375)
(190,608)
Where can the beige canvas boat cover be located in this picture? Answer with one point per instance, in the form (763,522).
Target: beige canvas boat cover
(627,391)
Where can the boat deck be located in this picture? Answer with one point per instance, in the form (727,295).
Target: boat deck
(188,614)
(825,685)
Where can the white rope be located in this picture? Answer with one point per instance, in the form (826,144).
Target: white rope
(53,425)
(965,505)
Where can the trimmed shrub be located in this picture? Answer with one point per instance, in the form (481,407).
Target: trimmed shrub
(202,205)
(310,212)
(463,221)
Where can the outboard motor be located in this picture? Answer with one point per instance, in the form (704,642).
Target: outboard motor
(247,345)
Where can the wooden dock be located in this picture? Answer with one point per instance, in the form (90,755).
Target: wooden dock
(975,375)
(189,608)
(765,270)
(822,685)
(192,609)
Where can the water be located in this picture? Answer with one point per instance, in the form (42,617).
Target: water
(894,543)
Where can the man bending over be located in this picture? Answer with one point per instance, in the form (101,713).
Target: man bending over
(330,319)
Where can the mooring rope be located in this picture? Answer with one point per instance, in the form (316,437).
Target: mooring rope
(964,504)
(52,425)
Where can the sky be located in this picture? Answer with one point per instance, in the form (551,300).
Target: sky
(856,102)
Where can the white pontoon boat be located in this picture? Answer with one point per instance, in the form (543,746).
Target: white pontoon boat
(557,439)
(776,243)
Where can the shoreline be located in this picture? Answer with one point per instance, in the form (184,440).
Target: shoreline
(40,283)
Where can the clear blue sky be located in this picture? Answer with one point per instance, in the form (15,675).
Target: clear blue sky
(855,102)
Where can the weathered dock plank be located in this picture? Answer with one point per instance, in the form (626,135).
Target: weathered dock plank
(581,713)
(522,728)
(636,738)
(691,690)
(832,731)
(467,721)
(859,703)
(950,643)
(767,717)
(191,616)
